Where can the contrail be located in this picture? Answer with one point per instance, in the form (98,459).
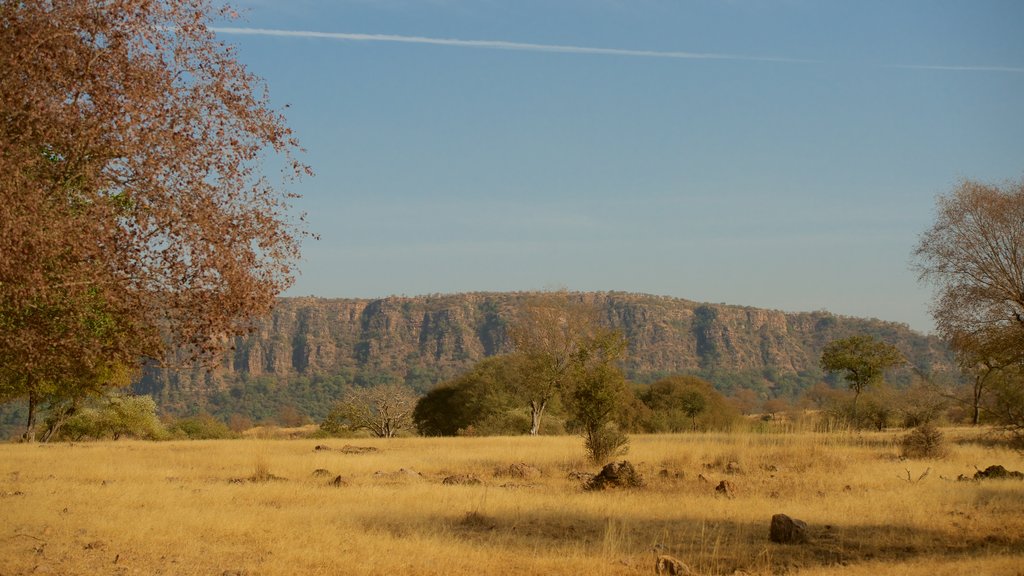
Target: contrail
(504,45)
(569,49)
(959,68)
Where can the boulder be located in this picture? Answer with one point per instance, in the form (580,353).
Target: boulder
(998,471)
(616,475)
(786,530)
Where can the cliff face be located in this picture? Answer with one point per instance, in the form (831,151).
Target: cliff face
(440,336)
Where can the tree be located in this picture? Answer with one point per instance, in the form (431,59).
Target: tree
(384,410)
(680,403)
(481,401)
(134,220)
(862,360)
(974,256)
(546,336)
(598,391)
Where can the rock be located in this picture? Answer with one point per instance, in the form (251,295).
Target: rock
(462,480)
(998,471)
(321,472)
(521,471)
(726,488)
(665,564)
(786,530)
(616,475)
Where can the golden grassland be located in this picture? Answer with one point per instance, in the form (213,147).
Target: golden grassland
(180,508)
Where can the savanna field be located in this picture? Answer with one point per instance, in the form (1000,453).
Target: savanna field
(272,506)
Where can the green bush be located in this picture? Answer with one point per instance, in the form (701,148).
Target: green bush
(200,427)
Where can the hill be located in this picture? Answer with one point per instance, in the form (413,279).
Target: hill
(308,349)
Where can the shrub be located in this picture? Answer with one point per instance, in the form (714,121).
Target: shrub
(604,443)
(925,441)
(200,427)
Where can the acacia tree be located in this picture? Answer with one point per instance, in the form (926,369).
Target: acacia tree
(862,359)
(546,336)
(384,410)
(134,219)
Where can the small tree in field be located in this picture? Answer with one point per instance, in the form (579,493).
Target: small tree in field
(598,393)
(862,361)
(384,410)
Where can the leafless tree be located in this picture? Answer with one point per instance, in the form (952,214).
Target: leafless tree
(546,336)
(974,256)
(134,217)
(384,410)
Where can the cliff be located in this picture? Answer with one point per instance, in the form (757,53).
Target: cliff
(423,340)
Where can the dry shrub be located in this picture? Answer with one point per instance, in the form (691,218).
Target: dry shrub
(925,441)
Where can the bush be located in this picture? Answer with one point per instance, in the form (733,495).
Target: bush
(604,443)
(925,441)
(115,417)
(200,427)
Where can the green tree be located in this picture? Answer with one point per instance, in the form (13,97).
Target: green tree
(862,360)
(134,218)
(482,400)
(680,403)
(598,393)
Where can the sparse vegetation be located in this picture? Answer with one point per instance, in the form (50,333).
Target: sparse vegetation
(172,506)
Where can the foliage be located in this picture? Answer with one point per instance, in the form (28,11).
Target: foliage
(384,410)
(974,255)
(199,427)
(680,403)
(862,360)
(133,218)
(597,394)
(481,402)
(114,418)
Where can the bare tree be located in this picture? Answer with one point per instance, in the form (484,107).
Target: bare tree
(134,219)
(974,256)
(384,410)
(546,336)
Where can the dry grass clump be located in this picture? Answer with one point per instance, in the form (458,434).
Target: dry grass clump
(925,441)
(167,508)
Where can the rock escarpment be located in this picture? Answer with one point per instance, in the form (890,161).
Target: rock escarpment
(430,338)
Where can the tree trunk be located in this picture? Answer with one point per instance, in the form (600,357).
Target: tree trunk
(30,425)
(536,411)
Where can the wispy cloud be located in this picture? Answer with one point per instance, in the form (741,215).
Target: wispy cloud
(959,68)
(569,49)
(504,45)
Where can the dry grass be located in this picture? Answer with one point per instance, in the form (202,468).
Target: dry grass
(255,507)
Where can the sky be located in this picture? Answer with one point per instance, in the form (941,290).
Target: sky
(779,154)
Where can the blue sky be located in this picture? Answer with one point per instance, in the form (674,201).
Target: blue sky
(774,154)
